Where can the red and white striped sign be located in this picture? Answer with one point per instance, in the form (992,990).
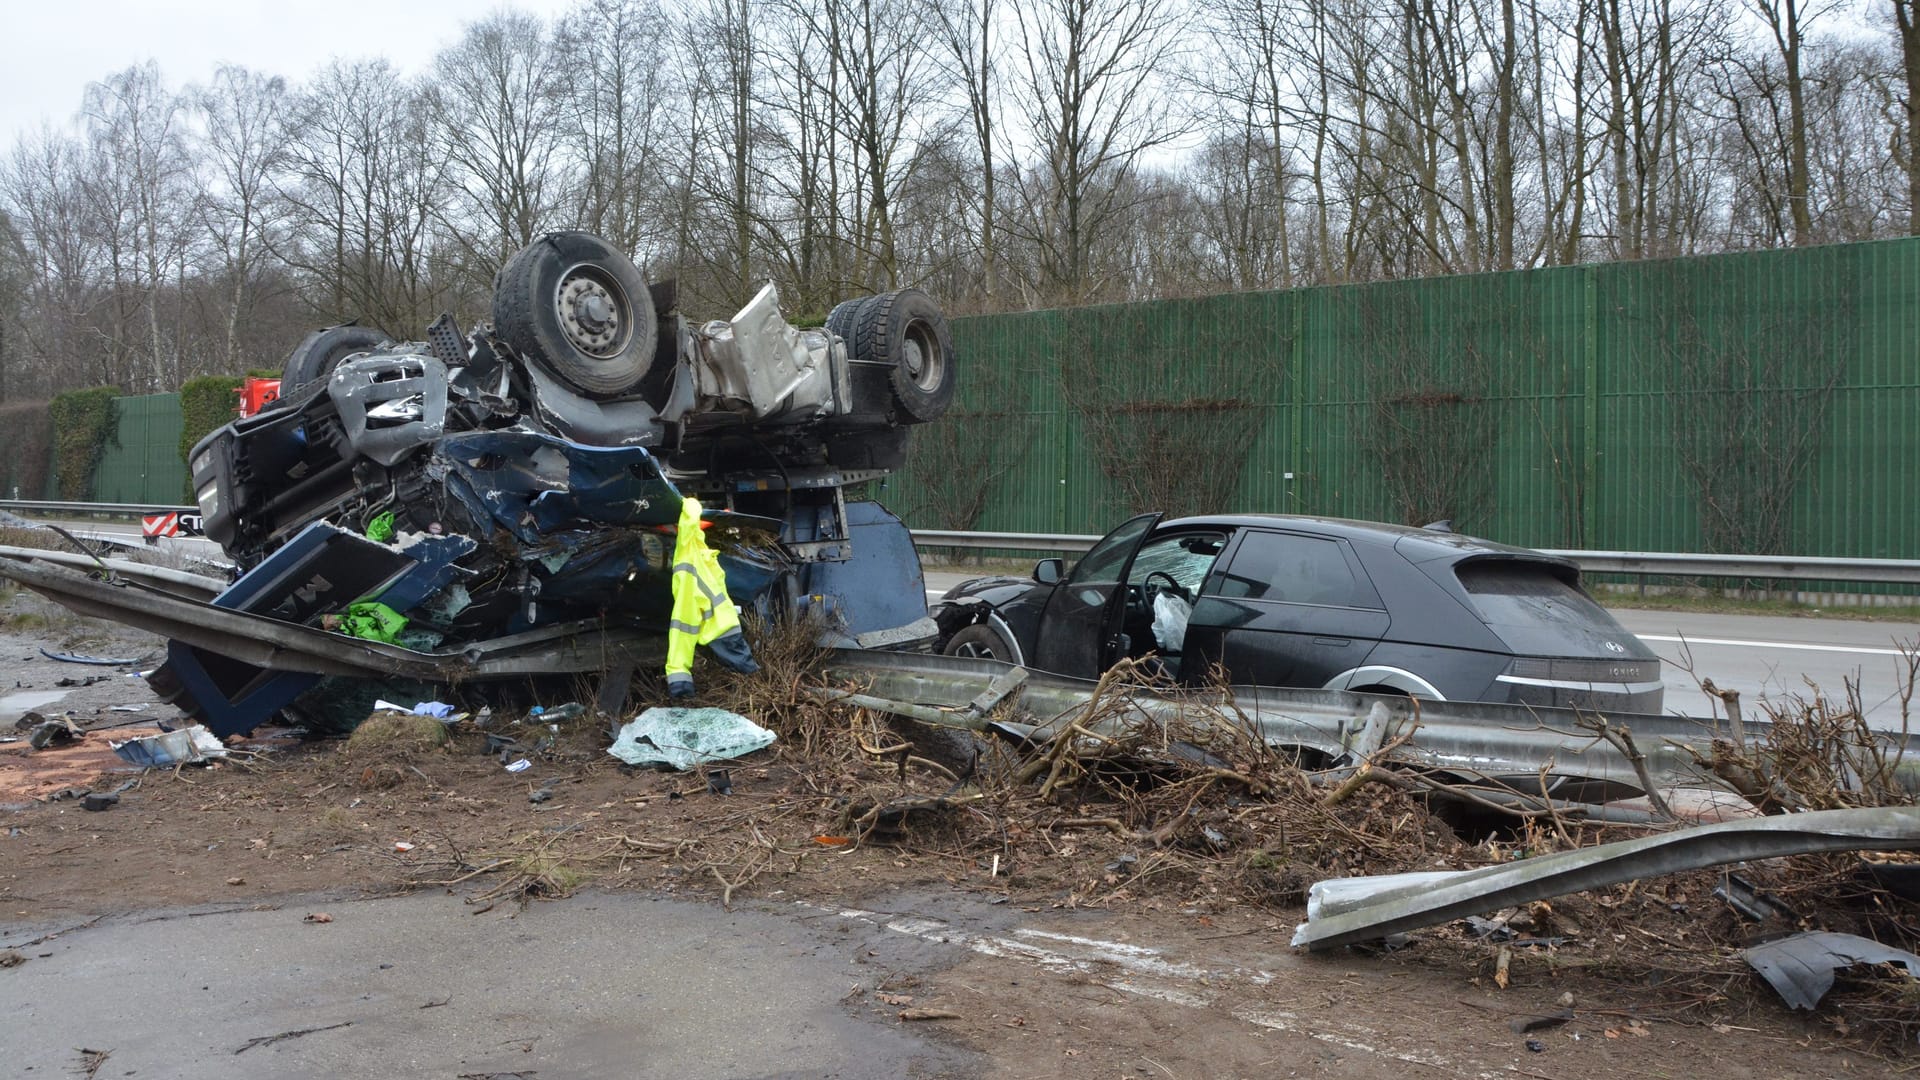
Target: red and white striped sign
(160,525)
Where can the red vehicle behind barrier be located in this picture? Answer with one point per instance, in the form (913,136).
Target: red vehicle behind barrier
(255,394)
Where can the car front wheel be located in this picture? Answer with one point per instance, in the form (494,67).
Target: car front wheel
(980,642)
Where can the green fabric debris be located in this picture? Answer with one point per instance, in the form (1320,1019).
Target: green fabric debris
(380,529)
(682,738)
(371,620)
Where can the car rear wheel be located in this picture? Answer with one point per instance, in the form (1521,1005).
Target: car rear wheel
(980,642)
(573,303)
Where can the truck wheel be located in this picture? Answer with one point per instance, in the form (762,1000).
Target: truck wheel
(321,351)
(906,331)
(842,318)
(572,302)
(979,641)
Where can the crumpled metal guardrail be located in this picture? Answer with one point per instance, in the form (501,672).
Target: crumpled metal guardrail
(581,647)
(1411,901)
(1468,739)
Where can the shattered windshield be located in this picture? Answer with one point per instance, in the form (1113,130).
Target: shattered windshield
(1186,559)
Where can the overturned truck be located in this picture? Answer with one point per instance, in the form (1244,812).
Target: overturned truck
(502,502)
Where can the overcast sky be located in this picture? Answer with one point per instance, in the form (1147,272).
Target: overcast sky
(53,50)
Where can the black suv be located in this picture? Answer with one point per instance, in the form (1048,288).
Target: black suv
(1315,602)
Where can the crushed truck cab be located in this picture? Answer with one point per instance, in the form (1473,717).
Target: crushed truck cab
(524,479)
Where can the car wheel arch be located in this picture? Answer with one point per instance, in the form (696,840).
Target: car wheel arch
(1378,678)
(980,615)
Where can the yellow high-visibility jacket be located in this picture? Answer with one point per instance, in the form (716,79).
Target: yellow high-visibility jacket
(703,614)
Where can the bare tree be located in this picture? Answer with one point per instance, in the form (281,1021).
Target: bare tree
(1786,23)
(362,187)
(1906,22)
(496,105)
(1092,93)
(141,163)
(970,32)
(1649,55)
(1252,43)
(59,335)
(720,189)
(613,57)
(244,116)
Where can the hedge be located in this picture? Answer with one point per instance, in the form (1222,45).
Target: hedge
(83,425)
(206,403)
(26,444)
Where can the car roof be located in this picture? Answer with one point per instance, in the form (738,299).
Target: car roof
(1418,545)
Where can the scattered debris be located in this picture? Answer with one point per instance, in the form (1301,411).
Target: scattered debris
(51,733)
(91,1060)
(1740,895)
(1345,911)
(927,1014)
(439,710)
(12,958)
(269,1040)
(1801,966)
(190,745)
(318,917)
(99,800)
(865,816)
(681,738)
(519,766)
(1524,1025)
(99,661)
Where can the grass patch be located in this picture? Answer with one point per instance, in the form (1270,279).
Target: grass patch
(397,735)
(340,821)
(38,539)
(1624,597)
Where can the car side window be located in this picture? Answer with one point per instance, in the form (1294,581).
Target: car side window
(1185,558)
(1287,568)
(1102,564)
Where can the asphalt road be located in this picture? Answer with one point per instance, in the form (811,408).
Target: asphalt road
(609,985)
(1764,657)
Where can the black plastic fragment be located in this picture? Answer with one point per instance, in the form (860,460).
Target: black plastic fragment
(1800,967)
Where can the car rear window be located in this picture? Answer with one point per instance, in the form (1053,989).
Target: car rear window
(1509,591)
(1288,568)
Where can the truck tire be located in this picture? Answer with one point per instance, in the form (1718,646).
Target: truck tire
(905,331)
(841,319)
(573,303)
(321,351)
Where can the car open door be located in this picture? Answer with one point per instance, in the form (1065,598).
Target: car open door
(1081,619)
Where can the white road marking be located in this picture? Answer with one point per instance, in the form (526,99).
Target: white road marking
(1148,972)
(1861,649)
